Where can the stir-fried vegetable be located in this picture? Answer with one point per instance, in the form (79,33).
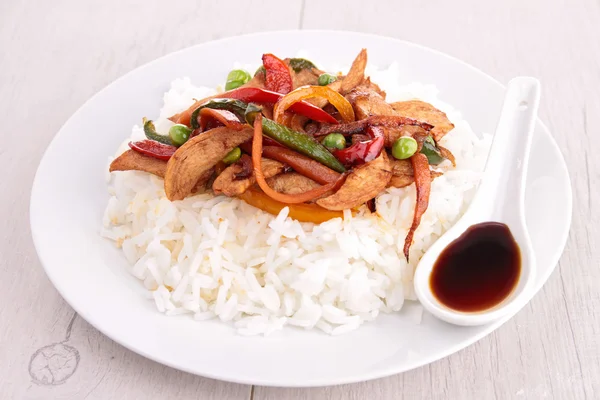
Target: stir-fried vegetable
(301,212)
(278,77)
(326,79)
(423,184)
(334,141)
(236,78)
(300,142)
(362,152)
(154,149)
(233,156)
(150,132)
(211,118)
(262,183)
(305,166)
(179,134)
(228,101)
(298,64)
(404,148)
(434,155)
(337,100)
(237,107)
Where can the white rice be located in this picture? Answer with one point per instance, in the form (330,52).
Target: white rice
(217,257)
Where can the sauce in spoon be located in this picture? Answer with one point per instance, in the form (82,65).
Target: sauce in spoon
(478,270)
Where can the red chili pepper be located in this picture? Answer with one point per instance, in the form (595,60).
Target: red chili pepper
(211,118)
(153,149)
(363,152)
(278,77)
(258,95)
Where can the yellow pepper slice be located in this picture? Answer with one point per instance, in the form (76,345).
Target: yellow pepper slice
(301,212)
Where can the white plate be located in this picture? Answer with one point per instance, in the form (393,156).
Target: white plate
(69,196)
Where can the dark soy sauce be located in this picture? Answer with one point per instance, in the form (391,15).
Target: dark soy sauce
(478,270)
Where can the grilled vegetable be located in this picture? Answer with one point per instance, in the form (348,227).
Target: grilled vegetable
(246,95)
(306,166)
(210,118)
(262,183)
(362,152)
(298,64)
(153,148)
(278,77)
(235,106)
(337,100)
(150,131)
(434,156)
(300,142)
(301,212)
(423,184)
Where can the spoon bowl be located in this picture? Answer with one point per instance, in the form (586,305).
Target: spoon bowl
(499,198)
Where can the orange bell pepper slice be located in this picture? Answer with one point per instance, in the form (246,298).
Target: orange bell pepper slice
(337,100)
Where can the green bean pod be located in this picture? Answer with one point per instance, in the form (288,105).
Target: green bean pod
(300,142)
(430,149)
(150,131)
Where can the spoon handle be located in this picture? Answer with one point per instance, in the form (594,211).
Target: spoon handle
(503,184)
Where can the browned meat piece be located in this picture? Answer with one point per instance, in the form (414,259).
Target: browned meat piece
(367,102)
(199,154)
(305,77)
(132,160)
(292,183)
(403,174)
(447,154)
(356,74)
(204,181)
(363,184)
(425,112)
(374,87)
(229,186)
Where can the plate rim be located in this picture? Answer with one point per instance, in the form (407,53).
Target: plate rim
(318,382)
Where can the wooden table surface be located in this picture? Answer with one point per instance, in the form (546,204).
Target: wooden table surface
(56,54)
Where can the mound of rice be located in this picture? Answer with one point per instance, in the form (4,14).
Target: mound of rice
(217,257)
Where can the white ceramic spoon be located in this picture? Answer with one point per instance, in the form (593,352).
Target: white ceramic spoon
(501,198)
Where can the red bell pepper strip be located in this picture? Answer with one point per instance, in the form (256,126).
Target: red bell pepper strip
(261,96)
(362,152)
(154,149)
(258,95)
(278,77)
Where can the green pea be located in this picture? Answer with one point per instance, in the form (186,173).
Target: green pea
(404,148)
(179,134)
(326,79)
(236,78)
(232,156)
(334,141)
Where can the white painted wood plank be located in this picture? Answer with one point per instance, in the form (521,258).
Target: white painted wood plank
(54,56)
(552,348)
